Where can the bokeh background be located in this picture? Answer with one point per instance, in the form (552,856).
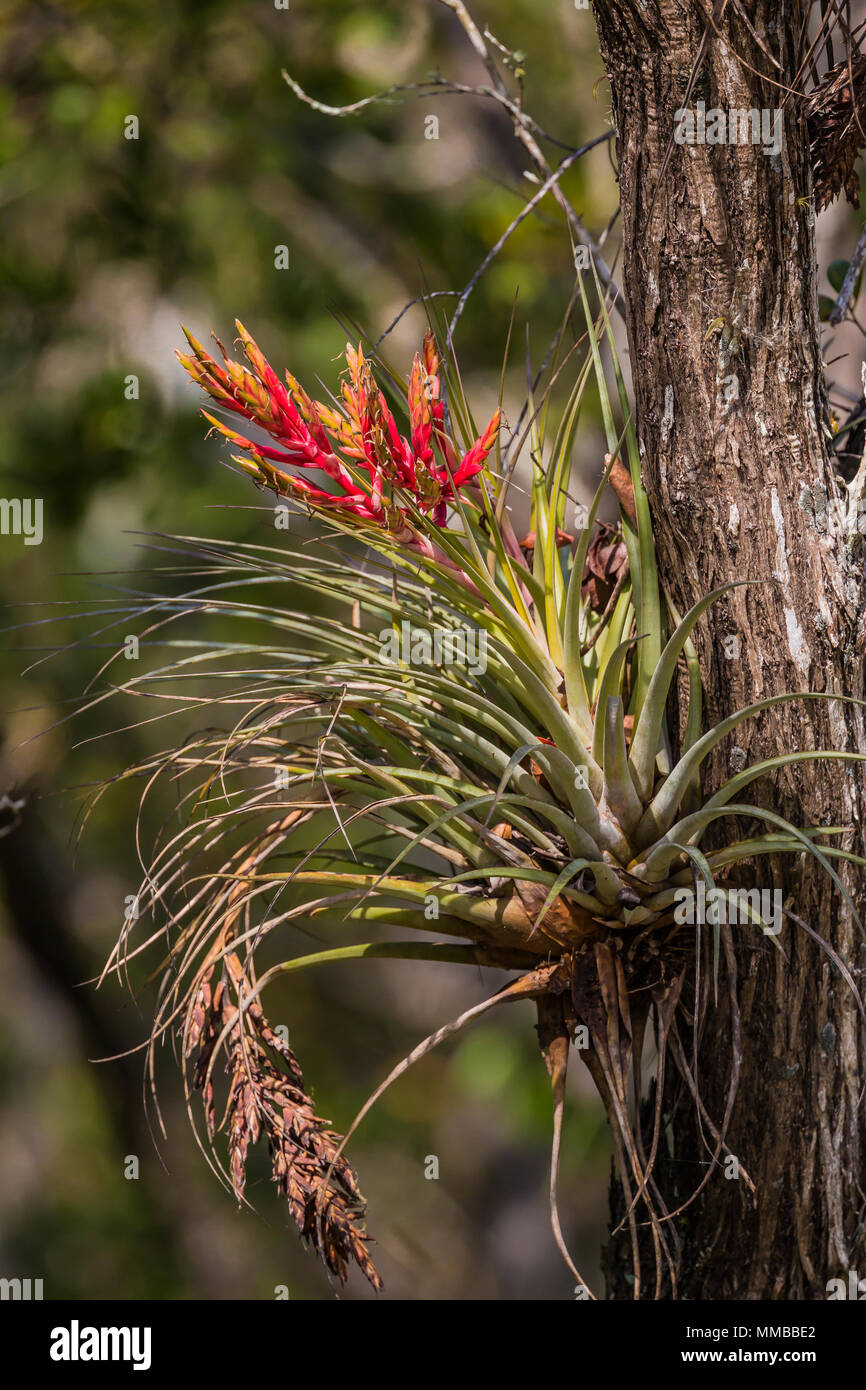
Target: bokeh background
(107,244)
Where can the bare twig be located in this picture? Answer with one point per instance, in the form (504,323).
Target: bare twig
(529,986)
(353,107)
(435,86)
(554,1040)
(850,281)
(536,198)
(527,139)
(419,299)
(526,129)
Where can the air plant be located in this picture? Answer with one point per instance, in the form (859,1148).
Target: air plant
(538,811)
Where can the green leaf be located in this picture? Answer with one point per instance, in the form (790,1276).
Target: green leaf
(836,273)
(649,720)
(660,813)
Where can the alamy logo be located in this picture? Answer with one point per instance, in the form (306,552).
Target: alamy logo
(443,646)
(20,1290)
(22,518)
(76,1343)
(734,127)
(734,906)
(855,1288)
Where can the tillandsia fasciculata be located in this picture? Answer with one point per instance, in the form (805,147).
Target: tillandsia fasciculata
(432,725)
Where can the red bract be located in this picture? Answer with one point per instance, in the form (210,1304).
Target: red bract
(356,445)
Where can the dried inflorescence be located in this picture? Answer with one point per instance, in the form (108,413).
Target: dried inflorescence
(267,1097)
(836,114)
(606,566)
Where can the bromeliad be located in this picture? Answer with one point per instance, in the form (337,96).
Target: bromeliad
(539,811)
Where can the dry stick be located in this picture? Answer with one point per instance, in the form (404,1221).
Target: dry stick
(353,106)
(527,139)
(554,1040)
(664,1016)
(746,66)
(850,280)
(434,86)
(524,125)
(529,986)
(524,213)
(420,299)
(756,36)
(525,129)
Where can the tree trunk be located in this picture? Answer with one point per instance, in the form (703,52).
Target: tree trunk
(719,280)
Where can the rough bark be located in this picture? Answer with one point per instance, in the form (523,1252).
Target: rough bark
(719,244)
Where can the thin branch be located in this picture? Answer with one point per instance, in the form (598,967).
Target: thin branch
(527,131)
(850,281)
(530,986)
(546,187)
(420,299)
(432,87)
(527,139)
(354,106)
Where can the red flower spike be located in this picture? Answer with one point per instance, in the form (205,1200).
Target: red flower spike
(359,448)
(474,460)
